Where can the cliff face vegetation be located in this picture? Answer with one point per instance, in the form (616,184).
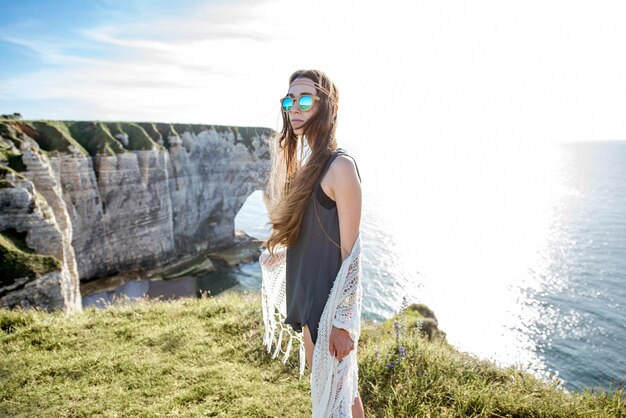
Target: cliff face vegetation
(80,200)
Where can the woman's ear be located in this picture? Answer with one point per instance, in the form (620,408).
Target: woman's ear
(335,107)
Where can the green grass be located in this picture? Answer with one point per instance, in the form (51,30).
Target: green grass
(249,133)
(165,129)
(151,130)
(95,137)
(10,131)
(409,376)
(16,163)
(54,136)
(187,127)
(17,260)
(138,138)
(10,148)
(204,357)
(13,158)
(6,184)
(188,358)
(98,137)
(6,170)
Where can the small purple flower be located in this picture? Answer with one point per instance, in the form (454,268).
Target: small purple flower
(390,365)
(402,351)
(397,329)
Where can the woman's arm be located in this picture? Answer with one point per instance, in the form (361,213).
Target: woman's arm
(346,188)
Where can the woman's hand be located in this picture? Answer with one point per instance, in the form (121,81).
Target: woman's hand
(340,343)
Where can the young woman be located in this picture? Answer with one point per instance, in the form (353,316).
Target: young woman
(314,203)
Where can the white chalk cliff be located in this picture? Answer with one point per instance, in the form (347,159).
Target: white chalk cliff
(106,198)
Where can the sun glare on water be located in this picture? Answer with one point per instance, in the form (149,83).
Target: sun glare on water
(469,229)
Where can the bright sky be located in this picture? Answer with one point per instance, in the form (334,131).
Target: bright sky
(408,71)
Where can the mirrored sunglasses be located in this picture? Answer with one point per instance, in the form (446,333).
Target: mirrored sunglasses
(305,102)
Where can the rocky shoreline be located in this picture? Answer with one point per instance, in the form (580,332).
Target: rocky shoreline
(245,249)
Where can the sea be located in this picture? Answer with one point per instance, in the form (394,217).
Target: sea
(520,250)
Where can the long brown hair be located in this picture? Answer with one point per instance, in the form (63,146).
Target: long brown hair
(291,183)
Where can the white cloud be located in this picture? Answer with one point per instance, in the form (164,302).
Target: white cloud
(50,52)
(407,71)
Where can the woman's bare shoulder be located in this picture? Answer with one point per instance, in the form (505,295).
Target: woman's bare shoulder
(343,169)
(343,161)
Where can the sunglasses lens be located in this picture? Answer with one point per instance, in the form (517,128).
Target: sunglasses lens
(305,103)
(286,103)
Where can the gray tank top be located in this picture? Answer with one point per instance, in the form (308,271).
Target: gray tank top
(313,261)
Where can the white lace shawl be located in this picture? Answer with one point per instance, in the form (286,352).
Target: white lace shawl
(333,383)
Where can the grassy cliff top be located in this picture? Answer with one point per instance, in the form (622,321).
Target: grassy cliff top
(204,357)
(109,138)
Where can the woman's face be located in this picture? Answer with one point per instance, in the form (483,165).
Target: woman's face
(297,118)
